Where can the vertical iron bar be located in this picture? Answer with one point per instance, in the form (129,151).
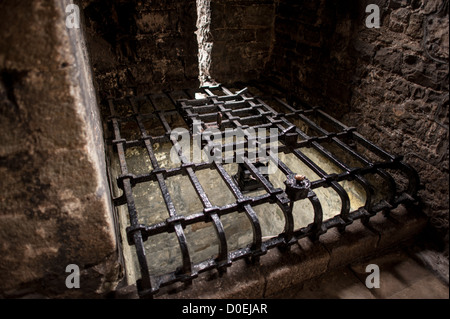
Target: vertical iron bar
(127,189)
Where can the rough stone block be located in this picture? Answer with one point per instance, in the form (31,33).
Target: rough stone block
(356,242)
(283,270)
(415,28)
(241,281)
(389,59)
(401,226)
(258,15)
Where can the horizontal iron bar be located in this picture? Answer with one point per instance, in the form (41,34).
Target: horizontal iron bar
(254,113)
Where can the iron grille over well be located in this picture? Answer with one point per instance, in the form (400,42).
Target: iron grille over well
(146,123)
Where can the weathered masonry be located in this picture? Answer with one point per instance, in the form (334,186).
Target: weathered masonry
(86,121)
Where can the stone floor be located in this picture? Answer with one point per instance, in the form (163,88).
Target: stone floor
(402,276)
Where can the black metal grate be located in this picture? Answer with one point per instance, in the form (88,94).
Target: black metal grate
(224,110)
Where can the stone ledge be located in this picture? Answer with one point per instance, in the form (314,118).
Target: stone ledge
(304,261)
(240,282)
(356,241)
(402,225)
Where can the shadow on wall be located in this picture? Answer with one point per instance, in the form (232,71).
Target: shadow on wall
(311,55)
(138,46)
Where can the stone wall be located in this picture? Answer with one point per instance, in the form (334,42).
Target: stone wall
(242,32)
(391,83)
(400,97)
(54,202)
(310,56)
(141,46)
